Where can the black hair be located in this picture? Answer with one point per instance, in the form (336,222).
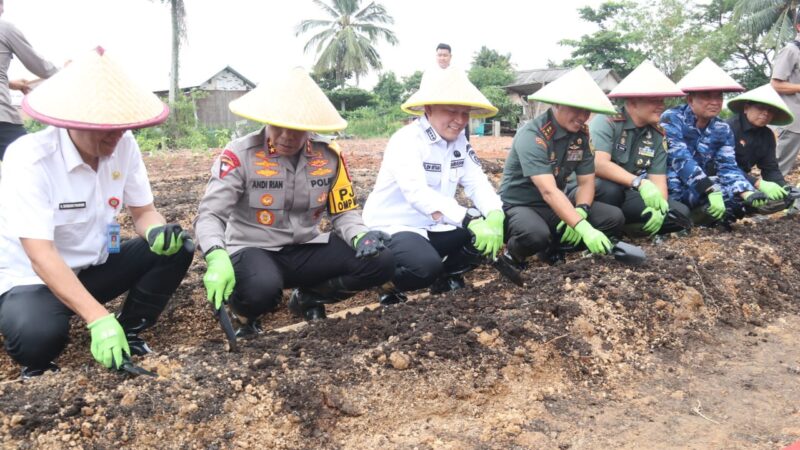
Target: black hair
(444,47)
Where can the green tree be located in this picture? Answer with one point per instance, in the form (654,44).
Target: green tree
(326,79)
(350,98)
(770,18)
(345,43)
(486,57)
(411,84)
(388,90)
(491,76)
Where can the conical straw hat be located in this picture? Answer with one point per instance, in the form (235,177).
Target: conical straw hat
(707,76)
(93,93)
(448,87)
(766,95)
(646,81)
(293,100)
(575,88)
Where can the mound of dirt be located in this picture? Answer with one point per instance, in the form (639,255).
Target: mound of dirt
(589,354)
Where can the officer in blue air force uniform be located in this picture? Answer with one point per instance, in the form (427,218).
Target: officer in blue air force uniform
(702,170)
(258,222)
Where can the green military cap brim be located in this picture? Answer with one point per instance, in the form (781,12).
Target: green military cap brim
(577,89)
(765,95)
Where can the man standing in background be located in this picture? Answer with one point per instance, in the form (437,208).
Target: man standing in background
(786,81)
(443,55)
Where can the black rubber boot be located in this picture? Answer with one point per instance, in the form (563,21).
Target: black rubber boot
(448,282)
(307,305)
(245,327)
(140,312)
(29,372)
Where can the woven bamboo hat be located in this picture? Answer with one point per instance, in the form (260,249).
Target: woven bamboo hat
(94,93)
(646,81)
(766,95)
(448,87)
(575,88)
(292,100)
(708,76)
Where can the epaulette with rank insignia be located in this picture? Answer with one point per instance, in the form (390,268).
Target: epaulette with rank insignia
(548,130)
(660,130)
(617,118)
(585,129)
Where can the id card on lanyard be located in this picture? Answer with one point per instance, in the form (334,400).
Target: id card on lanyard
(113,228)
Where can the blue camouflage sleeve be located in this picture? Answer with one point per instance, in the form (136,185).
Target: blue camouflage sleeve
(730,175)
(679,157)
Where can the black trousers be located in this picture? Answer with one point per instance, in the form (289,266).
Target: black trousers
(9,132)
(35,324)
(418,260)
(261,275)
(632,204)
(532,229)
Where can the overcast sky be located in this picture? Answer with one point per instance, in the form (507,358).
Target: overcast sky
(257,36)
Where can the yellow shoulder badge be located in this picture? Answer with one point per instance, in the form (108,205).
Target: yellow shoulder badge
(341,198)
(660,130)
(548,130)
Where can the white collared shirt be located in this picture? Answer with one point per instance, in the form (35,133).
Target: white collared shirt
(48,192)
(419,176)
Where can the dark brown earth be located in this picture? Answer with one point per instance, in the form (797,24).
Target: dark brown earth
(697,348)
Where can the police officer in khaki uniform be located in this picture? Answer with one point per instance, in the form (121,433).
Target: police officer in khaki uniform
(258,222)
(545,152)
(631,157)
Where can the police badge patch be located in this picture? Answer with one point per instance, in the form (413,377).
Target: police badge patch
(473,156)
(228,162)
(431,134)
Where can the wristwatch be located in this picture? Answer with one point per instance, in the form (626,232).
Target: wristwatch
(637,182)
(470,215)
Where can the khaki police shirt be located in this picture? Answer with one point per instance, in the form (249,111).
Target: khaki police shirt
(786,67)
(543,147)
(260,199)
(637,150)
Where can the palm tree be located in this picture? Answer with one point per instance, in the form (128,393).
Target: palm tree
(344,45)
(178,13)
(772,18)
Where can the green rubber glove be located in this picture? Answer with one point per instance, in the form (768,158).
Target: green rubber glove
(774,191)
(570,236)
(755,199)
(108,341)
(496,219)
(654,223)
(165,239)
(219,279)
(652,197)
(595,240)
(716,205)
(486,240)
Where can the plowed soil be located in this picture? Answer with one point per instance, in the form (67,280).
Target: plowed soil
(696,348)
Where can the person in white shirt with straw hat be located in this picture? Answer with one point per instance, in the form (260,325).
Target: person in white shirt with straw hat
(631,154)
(545,153)
(258,222)
(60,247)
(435,240)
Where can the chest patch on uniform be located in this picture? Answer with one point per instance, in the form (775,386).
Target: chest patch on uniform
(432,167)
(743,142)
(228,162)
(318,162)
(548,130)
(622,148)
(267,184)
(574,155)
(341,197)
(72,205)
(321,171)
(457,153)
(267,172)
(267,200)
(321,182)
(541,142)
(266,163)
(456,163)
(265,217)
(647,151)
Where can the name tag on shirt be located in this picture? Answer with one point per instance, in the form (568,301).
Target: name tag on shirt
(574,155)
(431,167)
(72,205)
(456,163)
(647,151)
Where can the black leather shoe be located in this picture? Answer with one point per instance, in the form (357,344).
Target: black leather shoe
(553,257)
(137,345)
(447,283)
(244,327)
(306,305)
(509,268)
(392,298)
(28,372)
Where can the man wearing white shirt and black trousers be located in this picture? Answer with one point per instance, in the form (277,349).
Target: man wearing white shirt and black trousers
(434,239)
(60,245)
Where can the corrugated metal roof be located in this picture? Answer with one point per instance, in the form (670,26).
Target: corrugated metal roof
(538,77)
